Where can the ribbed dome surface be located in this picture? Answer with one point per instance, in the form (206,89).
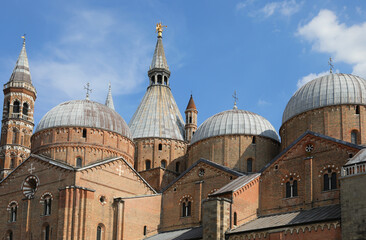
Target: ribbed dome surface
(332,89)
(235,122)
(84,113)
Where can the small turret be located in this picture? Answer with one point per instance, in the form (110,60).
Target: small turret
(191,119)
(109,100)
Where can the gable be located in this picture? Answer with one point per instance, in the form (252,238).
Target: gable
(115,176)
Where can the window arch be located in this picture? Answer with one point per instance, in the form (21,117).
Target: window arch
(358,109)
(329,180)
(9,235)
(160,79)
(13,210)
(12,163)
(163,163)
(15,136)
(147,164)
(291,188)
(249,165)
(84,133)
(354,137)
(160,146)
(47,201)
(145,230)
(16,106)
(253,140)
(25,108)
(235,219)
(100,232)
(165,80)
(152,80)
(46,231)
(186,207)
(79,162)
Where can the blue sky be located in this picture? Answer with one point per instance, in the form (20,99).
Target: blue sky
(264,50)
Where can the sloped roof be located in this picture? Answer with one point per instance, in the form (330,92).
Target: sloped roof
(320,214)
(191,104)
(307,132)
(202,160)
(159,60)
(181,234)
(109,101)
(21,71)
(236,184)
(360,157)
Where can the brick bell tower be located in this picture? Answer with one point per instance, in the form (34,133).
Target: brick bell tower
(17,123)
(191,119)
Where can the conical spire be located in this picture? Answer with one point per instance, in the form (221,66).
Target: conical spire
(109,100)
(21,71)
(191,104)
(159,60)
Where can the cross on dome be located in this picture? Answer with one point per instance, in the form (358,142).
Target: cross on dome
(235,100)
(88,90)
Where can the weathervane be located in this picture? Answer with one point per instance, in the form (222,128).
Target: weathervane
(235,99)
(159,29)
(23,38)
(88,90)
(330,65)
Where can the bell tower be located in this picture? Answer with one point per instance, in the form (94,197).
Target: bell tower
(17,122)
(191,119)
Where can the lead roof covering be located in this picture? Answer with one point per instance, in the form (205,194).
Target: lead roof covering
(84,113)
(235,121)
(332,89)
(21,71)
(157,115)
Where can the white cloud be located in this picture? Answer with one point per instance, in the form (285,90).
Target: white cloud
(285,8)
(244,4)
(262,102)
(310,77)
(95,46)
(344,43)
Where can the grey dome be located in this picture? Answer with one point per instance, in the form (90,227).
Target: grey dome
(84,113)
(332,89)
(235,121)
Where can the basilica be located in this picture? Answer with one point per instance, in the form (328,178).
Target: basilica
(84,173)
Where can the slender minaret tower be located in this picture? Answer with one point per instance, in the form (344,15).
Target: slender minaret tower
(17,122)
(109,100)
(191,119)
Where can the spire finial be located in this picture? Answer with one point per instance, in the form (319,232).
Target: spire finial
(88,90)
(235,99)
(330,65)
(159,29)
(23,38)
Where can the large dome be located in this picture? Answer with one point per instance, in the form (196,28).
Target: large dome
(235,121)
(84,113)
(332,89)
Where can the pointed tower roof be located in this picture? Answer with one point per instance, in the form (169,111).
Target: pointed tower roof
(158,114)
(191,104)
(109,100)
(21,71)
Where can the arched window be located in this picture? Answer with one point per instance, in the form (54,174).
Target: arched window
(291,188)
(235,218)
(357,109)
(354,136)
(160,146)
(147,164)
(79,162)
(46,234)
(177,165)
(186,207)
(250,165)
(253,140)
(12,163)
(152,80)
(190,120)
(329,180)
(16,106)
(8,107)
(165,80)
(84,133)
(145,230)
(163,164)
(15,136)
(47,202)
(9,235)
(13,212)
(25,108)
(160,79)
(100,232)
